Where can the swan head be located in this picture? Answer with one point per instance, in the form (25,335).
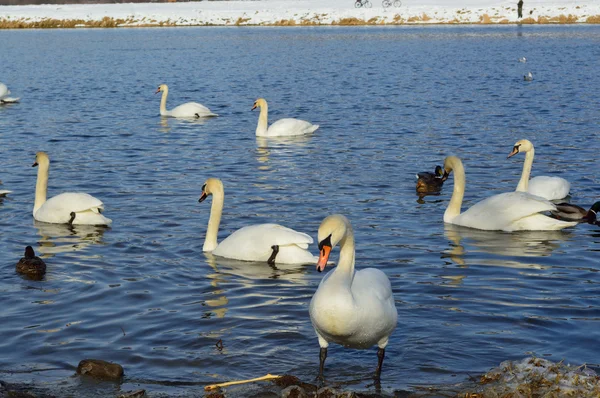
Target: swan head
(331,231)
(259,103)
(450,163)
(211,186)
(521,146)
(162,87)
(41,159)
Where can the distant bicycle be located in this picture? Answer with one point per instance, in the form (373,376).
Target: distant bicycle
(389,3)
(363,3)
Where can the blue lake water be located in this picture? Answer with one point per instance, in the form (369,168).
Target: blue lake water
(390,102)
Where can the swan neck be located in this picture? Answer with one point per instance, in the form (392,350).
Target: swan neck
(346,260)
(524,181)
(263,119)
(41,186)
(458,193)
(163,101)
(216,209)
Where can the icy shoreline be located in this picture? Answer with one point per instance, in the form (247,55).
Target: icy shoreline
(301,12)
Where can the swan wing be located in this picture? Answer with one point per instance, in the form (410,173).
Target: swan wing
(255,242)
(4,192)
(191,109)
(4,91)
(550,188)
(289,126)
(498,212)
(58,209)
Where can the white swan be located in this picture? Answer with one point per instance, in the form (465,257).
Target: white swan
(66,208)
(4,95)
(550,188)
(189,109)
(263,242)
(528,77)
(511,211)
(282,127)
(354,309)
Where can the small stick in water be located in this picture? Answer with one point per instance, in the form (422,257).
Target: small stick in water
(231,383)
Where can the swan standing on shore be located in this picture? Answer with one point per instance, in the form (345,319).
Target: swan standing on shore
(282,127)
(269,243)
(353,309)
(511,211)
(66,208)
(189,109)
(4,95)
(550,188)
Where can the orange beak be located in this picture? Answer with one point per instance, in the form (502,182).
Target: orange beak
(254,107)
(323,257)
(157,91)
(513,152)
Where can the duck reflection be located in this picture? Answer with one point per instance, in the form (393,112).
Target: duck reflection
(522,243)
(64,238)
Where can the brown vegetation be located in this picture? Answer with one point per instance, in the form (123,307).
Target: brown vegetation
(593,19)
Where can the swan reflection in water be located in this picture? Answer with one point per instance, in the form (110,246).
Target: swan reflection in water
(520,244)
(224,267)
(247,272)
(65,238)
(167,123)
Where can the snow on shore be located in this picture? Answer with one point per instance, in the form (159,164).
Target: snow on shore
(302,12)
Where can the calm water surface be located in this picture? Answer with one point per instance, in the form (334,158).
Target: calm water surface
(390,102)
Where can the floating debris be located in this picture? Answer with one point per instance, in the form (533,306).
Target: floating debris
(537,377)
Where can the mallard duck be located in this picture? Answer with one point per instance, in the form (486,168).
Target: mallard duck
(571,212)
(31,265)
(430,182)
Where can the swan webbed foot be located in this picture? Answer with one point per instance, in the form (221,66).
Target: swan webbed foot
(322,357)
(72,218)
(271,260)
(380,356)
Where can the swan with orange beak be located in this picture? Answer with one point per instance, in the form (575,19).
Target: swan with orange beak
(353,309)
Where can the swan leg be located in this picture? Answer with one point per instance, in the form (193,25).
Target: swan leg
(380,356)
(197,115)
(271,260)
(322,357)
(72,218)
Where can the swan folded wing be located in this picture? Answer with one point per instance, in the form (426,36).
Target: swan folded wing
(549,187)
(499,211)
(290,126)
(254,242)
(191,109)
(62,205)
(372,282)
(4,192)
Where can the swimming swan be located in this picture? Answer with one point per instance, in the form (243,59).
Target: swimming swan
(262,242)
(282,127)
(4,95)
(354,309)
(189,109)
(547,187)
(66,208)
(511,211)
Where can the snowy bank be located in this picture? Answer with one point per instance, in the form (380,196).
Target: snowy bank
(299,12)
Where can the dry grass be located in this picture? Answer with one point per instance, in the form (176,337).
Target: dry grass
(108,22)
(241,21)
(285,22)
(485,19)
(528,21)
(349,21)
(593,19)
(419,18)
